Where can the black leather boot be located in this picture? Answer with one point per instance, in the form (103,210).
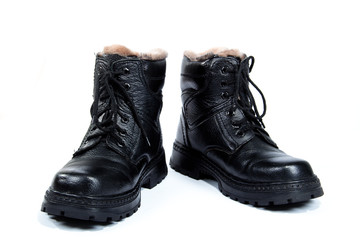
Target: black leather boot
(122,150)
(221,135)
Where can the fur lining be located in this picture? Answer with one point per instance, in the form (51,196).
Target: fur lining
(155,54)
(221,52)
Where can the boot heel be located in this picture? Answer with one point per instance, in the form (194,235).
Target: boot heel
(182,161)
(156,174)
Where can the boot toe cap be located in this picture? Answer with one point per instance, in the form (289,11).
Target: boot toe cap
(75,183)
(281,169)
(93,178)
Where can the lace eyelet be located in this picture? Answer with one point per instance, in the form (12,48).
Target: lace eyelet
(126,70)
(230,113)
(240,133)
(224,70)
(124,120)
(223,83)
(123,133)
(225,95)
(127,86)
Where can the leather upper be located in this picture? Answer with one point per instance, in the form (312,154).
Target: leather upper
(111,163)
(207,125)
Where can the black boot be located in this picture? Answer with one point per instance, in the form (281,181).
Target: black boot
(221,135)
(122,150)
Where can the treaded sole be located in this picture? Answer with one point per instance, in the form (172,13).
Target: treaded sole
(257,194)
(104,209)
(85,214)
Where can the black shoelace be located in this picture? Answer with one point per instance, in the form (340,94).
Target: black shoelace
(245,100)
(110,91)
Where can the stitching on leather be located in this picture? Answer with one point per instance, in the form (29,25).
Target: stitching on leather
(256,187)
(183,130)
(218,116)
(53,196)
(56,197)
(208,113)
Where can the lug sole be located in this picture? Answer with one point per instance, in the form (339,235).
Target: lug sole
(105,209)
(193,164)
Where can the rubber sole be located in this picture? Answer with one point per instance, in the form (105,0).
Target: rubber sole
(105,209)
(196,166)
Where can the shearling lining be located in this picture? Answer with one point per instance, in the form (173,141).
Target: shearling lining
(155,54)
(221,52)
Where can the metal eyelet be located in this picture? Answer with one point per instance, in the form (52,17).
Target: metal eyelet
(240,134)
(124,120)
(229,113)
(224,69)
(127,86)
(126,70)
(224,95)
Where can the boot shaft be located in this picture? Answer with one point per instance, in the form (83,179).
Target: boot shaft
(207,85)
(143,80)
(127,102)
(219,110)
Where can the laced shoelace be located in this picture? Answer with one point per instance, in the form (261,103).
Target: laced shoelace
(245,100)
(108,81)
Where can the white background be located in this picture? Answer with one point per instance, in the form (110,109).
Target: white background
(307,64)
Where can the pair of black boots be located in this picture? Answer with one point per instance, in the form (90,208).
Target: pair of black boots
(220,136)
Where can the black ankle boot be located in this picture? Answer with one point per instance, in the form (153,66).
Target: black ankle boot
(122,150)
(221,135)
